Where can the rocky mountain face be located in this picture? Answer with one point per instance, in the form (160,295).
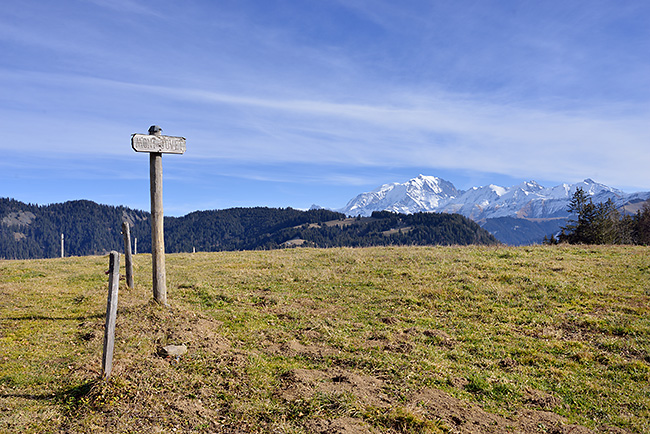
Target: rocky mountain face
(527,200)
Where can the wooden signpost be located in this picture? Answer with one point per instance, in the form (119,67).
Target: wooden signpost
(156,145)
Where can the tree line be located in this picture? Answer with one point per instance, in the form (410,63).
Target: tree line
(602,223)
(31,231)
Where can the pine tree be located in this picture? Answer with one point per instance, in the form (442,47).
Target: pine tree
(641,226)
(579,229)
(596,224)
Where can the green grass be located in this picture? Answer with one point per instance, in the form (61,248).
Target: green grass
(280,339)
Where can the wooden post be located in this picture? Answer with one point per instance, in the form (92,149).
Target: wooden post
(111,313)
(159,275)
(135,247)
(156,144)
(62,245)
(126,233)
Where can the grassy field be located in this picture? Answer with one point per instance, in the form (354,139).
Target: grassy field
(379,340)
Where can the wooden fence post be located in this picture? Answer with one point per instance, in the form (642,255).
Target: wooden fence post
(111,314)
(128,262)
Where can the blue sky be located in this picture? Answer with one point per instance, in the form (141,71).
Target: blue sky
(295,102)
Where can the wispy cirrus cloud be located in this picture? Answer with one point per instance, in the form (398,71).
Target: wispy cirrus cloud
(440,129)
(130,7)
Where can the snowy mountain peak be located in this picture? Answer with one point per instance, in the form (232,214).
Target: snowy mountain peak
(531,186)
(419,194)
(432,184)
(527,199)
(593,188)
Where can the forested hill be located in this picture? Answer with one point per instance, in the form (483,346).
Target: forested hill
(32,231)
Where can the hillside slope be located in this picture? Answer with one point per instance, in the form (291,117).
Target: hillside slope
(33,231)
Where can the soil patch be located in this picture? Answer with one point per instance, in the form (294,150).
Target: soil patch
(467,418)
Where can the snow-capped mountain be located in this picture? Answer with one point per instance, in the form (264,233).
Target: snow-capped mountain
(525,200)
(421,194)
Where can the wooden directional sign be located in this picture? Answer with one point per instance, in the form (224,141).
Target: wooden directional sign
(157,143)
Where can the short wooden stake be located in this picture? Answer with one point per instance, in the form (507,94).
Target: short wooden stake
(62,245)
(128,262)
(111,314)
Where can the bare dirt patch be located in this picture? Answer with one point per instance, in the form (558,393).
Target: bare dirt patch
(293,348)
(467,418)
(343,425)
(305,383)
(454,415)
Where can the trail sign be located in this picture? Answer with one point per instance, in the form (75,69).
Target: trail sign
(156,145)
(160,144)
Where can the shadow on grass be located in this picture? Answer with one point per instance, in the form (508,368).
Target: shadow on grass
(74,398)
(55,318)
(31,396)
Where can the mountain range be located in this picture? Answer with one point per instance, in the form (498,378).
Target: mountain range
(521,214)
(425,210)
